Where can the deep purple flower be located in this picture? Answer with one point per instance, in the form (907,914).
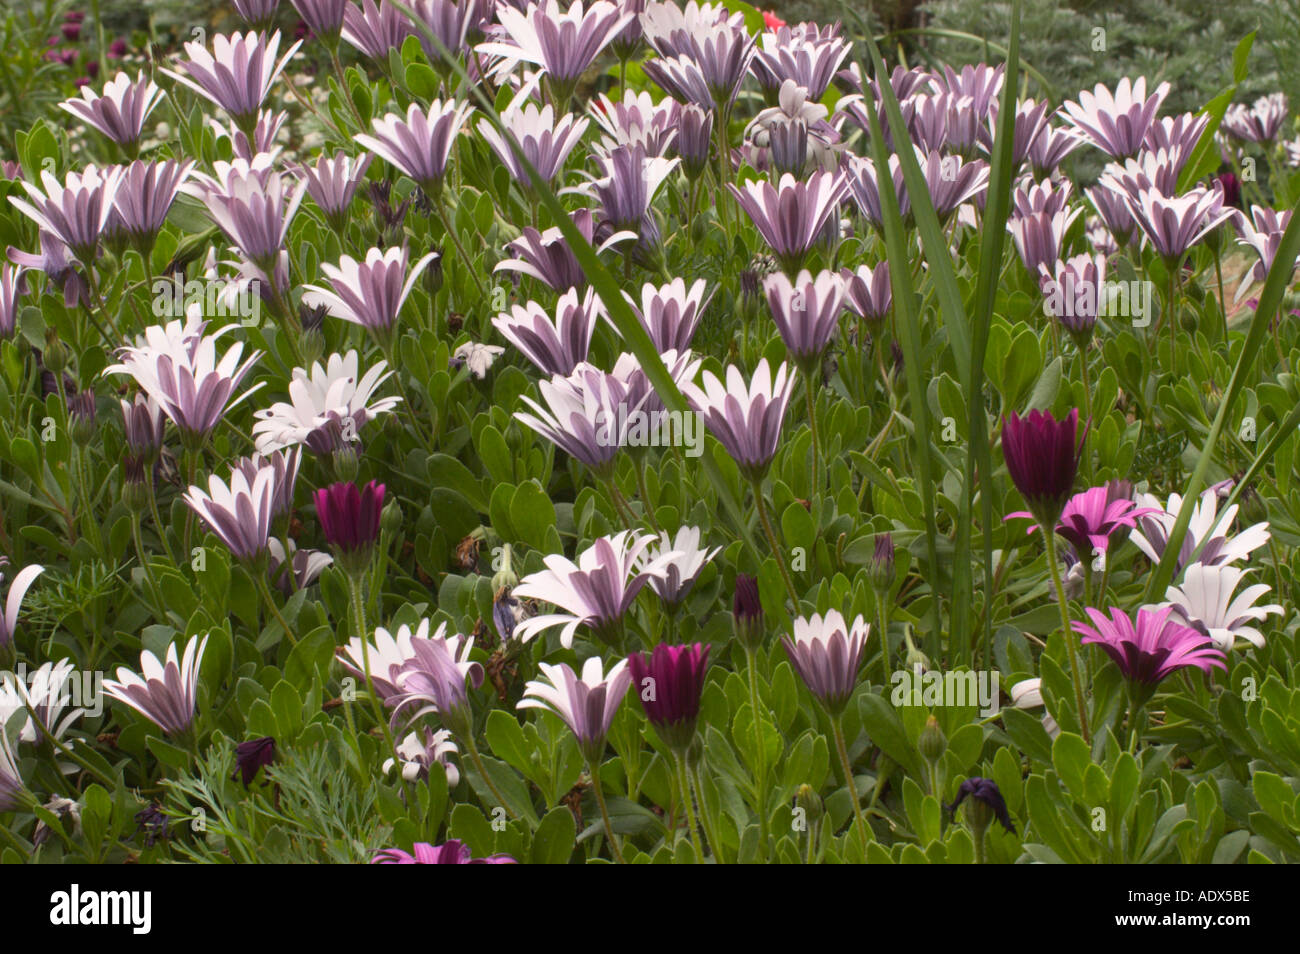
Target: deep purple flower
(986,791)
(669,682)
(349,518)
(251,756)
(451,853)
(1151,648)
(1042,457)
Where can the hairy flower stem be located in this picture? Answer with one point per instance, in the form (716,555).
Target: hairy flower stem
(814,483)
(837,722)
(259,576)
(614,849)
(1087,409)
(1067,632)
(771,541)
(684,783)
(760,769)
(153,510)
(706,821)
(460,250)
(363,633)
(159,603)
(467,737)
(639,467)
(620,506)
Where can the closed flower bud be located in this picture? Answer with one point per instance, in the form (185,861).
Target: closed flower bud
(311,345)
(914,656)
(505,577)
(345,463)
(880,571)
(390,519)
(984,803)
(807,798)
(932,742)
(55,355)
(747,612)
(251,756)
(81,417)
(135,493)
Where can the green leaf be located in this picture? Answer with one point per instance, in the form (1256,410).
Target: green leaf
(554,839)
(1071,757)
(532,514)
(885,729)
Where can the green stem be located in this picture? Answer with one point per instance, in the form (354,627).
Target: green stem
(604,812)
(814,484)
(1067,632)
(685,785)
(771,541)
(157,519)
(760,770)
(460,250)
(472,749)
(259,575)
(837,722)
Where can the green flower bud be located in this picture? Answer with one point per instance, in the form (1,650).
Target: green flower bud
(932,742)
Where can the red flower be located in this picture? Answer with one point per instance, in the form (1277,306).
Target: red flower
(772,21)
